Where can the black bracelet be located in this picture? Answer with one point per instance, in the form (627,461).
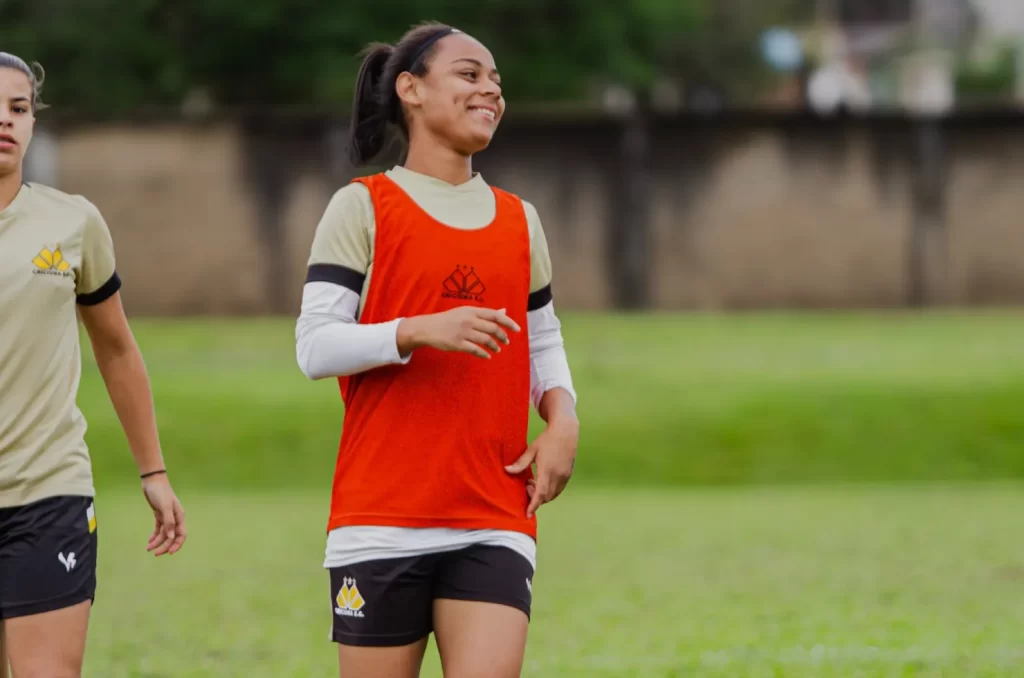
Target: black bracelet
(153,473)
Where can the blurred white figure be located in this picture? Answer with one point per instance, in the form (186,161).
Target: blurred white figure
(926,83)
(41,161)
(836,84)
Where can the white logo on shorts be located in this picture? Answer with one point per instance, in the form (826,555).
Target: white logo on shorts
(529,586)
(69,562)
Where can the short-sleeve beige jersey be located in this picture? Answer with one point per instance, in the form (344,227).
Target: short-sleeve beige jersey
(55,252)
(345,235)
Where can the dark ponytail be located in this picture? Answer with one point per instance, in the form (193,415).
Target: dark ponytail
(369,124)
(376,108)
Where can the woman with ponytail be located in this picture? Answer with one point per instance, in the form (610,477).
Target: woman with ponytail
(428,297)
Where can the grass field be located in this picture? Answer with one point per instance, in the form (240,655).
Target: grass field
(837,582)
(663,400)
(736,511)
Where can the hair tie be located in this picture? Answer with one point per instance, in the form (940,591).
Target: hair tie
(430,43)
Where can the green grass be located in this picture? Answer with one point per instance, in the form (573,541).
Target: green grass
(669,400)
(727,583)
(812,569)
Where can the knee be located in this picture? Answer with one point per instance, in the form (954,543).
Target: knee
(483,670)
(45,673)
(49,670)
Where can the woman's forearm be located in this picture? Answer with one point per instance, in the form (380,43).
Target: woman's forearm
(127,382)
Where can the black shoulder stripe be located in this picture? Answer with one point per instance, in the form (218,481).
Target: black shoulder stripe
(539,299)
(106,290)
(338,275)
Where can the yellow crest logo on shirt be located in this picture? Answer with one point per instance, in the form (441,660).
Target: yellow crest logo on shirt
(51,260)
(350,603)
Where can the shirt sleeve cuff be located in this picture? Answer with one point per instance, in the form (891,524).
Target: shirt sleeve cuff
(105,291)
(389,339)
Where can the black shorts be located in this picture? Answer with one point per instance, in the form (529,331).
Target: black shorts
(47,556)
(388,603)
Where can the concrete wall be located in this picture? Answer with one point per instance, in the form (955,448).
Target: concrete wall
(218,217)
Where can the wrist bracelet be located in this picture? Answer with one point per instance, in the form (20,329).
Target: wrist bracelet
(153,473)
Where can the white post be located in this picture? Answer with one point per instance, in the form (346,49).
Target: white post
(42,160)
(1019,91)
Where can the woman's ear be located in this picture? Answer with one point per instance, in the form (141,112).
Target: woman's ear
(409,89)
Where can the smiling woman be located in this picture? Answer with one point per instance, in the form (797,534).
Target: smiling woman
(56,262)
(469,75)
(432,525)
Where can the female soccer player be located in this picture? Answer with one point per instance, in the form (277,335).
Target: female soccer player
(55,256)
(432,525)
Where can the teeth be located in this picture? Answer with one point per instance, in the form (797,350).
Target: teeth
(489,113)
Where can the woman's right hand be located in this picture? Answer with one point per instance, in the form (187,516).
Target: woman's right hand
(466,329)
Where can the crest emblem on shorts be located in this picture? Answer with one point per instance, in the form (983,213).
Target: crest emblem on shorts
(350,602)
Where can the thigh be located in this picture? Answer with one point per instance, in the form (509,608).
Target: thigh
(482,612)
(48,644)
(381,662)
(382,615)
(3,653)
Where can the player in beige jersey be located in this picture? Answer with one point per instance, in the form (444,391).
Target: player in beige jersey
(56,258)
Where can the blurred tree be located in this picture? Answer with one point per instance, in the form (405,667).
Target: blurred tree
(547,50)
(111,56)
(724,50)
(101,55)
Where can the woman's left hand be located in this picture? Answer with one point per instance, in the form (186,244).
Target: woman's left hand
(554,451)
(170,531)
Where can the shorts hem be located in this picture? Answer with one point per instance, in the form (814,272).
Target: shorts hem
(486,598)
(52,605)
(389,640)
